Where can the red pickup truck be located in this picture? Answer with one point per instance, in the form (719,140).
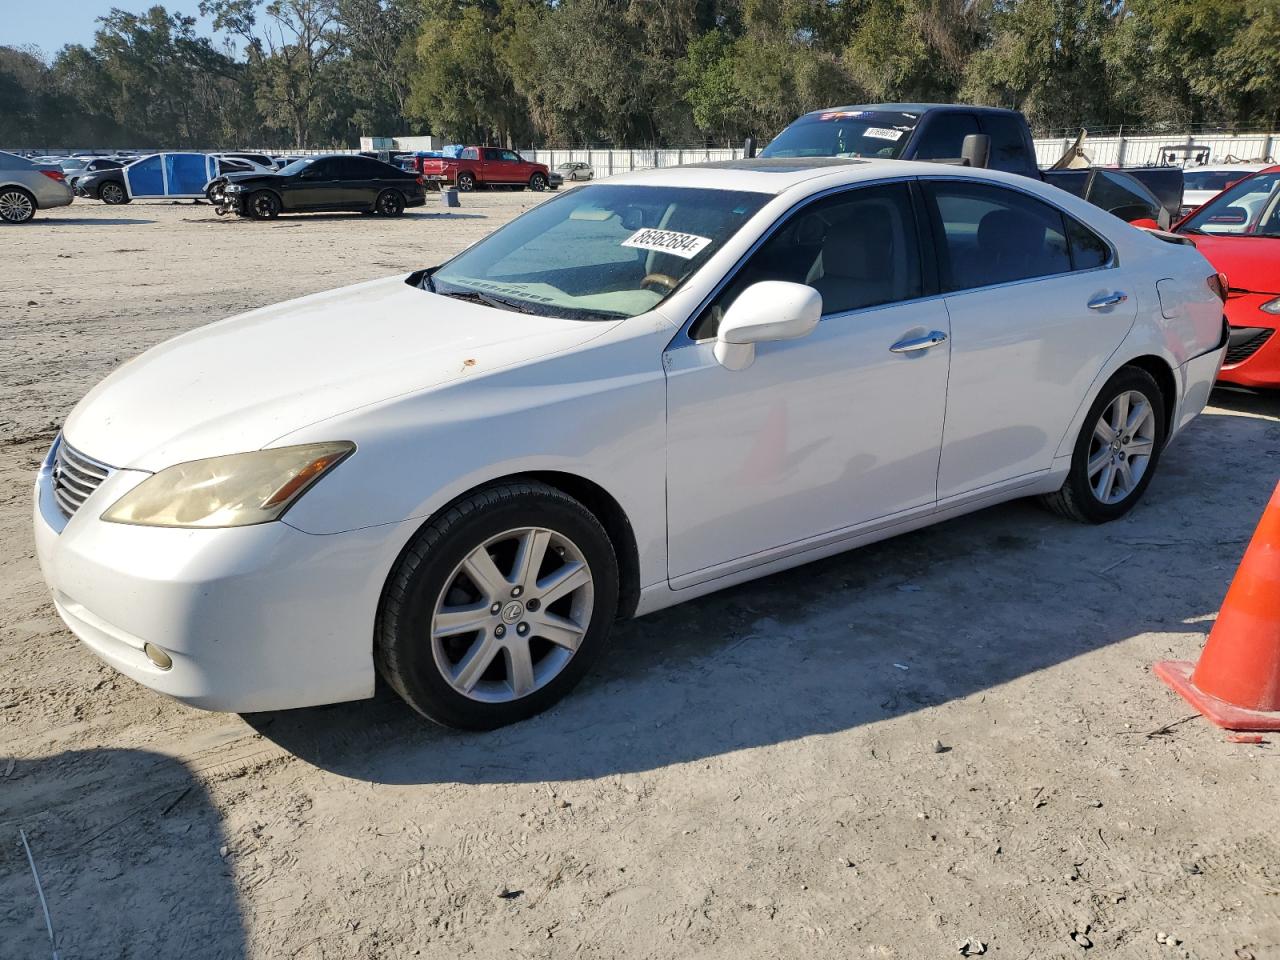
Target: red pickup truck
(491,166)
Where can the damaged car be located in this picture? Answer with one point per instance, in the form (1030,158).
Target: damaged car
(329,183)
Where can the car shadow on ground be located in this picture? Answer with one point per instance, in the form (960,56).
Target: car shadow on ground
(89,221)
(128,845)
(876,633)
(294,219)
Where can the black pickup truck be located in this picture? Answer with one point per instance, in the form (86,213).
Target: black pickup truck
(986,136)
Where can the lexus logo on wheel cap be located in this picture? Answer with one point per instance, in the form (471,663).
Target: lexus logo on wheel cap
(513,611)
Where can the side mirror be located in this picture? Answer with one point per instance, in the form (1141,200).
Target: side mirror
(975,150)
(768,310)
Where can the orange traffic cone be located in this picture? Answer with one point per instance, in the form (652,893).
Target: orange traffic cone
(1237,682)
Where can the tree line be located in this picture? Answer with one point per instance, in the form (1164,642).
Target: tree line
(632,73)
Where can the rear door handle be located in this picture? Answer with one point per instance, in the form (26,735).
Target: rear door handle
(1104,300)
(930,339)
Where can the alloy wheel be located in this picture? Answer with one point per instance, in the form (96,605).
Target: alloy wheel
(16,207)
(1120,450)
(390,204)
(111,193)
(512,614)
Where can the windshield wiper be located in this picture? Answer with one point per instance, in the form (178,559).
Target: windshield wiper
(475,296)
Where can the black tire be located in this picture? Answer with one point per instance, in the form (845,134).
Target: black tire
(16,205)
(1077,499)
(466,182)
(263,205)
(114,193)
(538,182)
(427,567)
(390,203)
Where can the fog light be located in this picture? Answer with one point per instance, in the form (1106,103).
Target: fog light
(157,656)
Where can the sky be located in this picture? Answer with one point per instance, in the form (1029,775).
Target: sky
(52,26)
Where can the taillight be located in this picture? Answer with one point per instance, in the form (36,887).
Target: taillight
(55,175)
(421,182)
(1218,284)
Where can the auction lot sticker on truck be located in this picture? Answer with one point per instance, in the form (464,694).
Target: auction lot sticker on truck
(686,245)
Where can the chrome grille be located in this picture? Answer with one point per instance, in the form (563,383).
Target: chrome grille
(75,476)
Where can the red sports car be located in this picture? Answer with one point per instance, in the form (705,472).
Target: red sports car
(1239,232)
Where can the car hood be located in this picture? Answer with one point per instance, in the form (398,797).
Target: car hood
(242,383)
(1250,263)
(249,176)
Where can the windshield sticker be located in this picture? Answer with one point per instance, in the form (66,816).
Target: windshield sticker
(844,114)
(685,245)
(882,133)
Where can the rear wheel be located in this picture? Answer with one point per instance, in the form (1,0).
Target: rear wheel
(1117,451)
(498,606)
(264,205)
(113,193)
(538,182)
(16,205)
(390,203)
(466,182)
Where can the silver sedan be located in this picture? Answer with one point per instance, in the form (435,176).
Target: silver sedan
(26,187)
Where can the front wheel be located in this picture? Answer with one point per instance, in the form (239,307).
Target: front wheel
(390,203)
(264,205)
(1117,451)
(498,606)
(538,182)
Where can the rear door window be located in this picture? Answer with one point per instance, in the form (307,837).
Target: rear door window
(987,235)
(943,135)
(1009,149)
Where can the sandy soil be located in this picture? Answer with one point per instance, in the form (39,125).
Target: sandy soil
(949,737)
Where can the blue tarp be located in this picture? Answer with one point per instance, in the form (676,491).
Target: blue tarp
(170,175)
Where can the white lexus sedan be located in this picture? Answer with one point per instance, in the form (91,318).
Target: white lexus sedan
(638,392)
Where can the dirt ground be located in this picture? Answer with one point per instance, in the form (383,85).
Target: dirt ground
(945,744)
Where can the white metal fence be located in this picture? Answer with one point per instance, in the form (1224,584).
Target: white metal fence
(1118,150)
(1147,150)
(608,162)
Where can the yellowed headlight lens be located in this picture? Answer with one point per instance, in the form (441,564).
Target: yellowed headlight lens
(231,491)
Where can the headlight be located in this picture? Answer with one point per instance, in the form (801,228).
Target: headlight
(231,188)
(232,491)
(1272,306)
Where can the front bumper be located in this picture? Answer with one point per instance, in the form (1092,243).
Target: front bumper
(1253,357)
(254,618)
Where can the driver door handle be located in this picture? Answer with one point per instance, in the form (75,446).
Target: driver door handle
(1104,300)
(930,339)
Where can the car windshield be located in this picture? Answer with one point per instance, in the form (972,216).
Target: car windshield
(844,133)
(1214,180)
(600,252)
(1250,208)
(296,166)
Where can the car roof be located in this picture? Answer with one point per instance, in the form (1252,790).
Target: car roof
(775,175)
(913,108)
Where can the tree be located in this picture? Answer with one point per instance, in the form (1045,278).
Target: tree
(1046,58)
(288,49)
